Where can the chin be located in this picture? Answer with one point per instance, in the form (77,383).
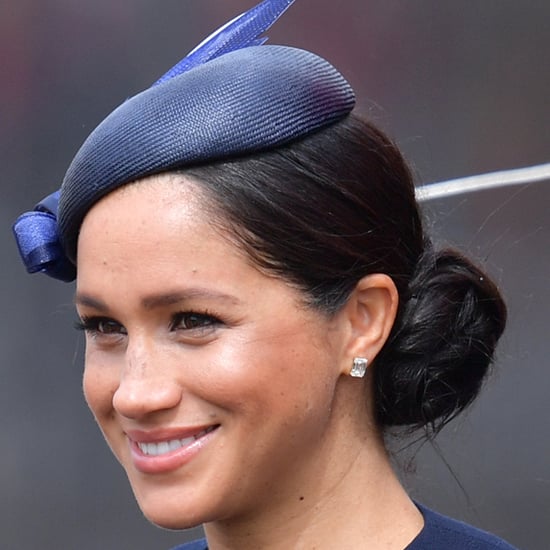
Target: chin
(169,518)
(173,523)
(172,509)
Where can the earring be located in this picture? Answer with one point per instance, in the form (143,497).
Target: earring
(359,367)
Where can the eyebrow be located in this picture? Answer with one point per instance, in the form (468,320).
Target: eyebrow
(171,298)
(155,301)
(89,301)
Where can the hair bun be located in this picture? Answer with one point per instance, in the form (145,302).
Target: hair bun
(443,342)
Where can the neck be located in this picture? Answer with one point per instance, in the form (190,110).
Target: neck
(353,500)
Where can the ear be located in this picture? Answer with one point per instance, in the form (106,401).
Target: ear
(370,313)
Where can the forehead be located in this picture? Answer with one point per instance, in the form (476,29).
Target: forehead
(161,203)
(157,236)
(154,220)
(161,190)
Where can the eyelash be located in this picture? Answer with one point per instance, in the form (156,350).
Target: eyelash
(92,325)
(201,321)
(95,326)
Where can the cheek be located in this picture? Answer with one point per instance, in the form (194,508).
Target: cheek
(99,386)
(277,378)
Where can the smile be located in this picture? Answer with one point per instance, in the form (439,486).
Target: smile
(165,447)
(161,453)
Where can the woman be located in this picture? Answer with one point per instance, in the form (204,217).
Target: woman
(260,303)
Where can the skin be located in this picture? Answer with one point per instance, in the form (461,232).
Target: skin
(184,333)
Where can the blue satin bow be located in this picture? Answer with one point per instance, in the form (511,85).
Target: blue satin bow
(38,241)
(37,232)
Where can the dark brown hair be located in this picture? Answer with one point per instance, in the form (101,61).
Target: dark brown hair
(327,210)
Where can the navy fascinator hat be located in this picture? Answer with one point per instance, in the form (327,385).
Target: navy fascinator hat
(230,96)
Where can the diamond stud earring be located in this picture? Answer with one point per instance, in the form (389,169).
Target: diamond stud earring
(359,367)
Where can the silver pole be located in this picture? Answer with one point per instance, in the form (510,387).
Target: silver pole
(471,184)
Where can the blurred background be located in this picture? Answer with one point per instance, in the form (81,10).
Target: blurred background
(463,87)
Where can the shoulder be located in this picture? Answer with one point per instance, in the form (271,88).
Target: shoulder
(443,532)
(199,544)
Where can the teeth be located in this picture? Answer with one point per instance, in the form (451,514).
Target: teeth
(164,447)
(175,444)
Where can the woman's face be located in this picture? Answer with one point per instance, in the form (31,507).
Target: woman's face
(212,383)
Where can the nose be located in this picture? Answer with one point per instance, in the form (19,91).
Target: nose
(147,383)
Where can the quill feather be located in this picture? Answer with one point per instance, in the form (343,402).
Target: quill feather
(242,32)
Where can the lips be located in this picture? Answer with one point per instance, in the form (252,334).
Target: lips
(165,447)
(166,450)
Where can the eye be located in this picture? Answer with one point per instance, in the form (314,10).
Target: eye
(190,321)
(103,326)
